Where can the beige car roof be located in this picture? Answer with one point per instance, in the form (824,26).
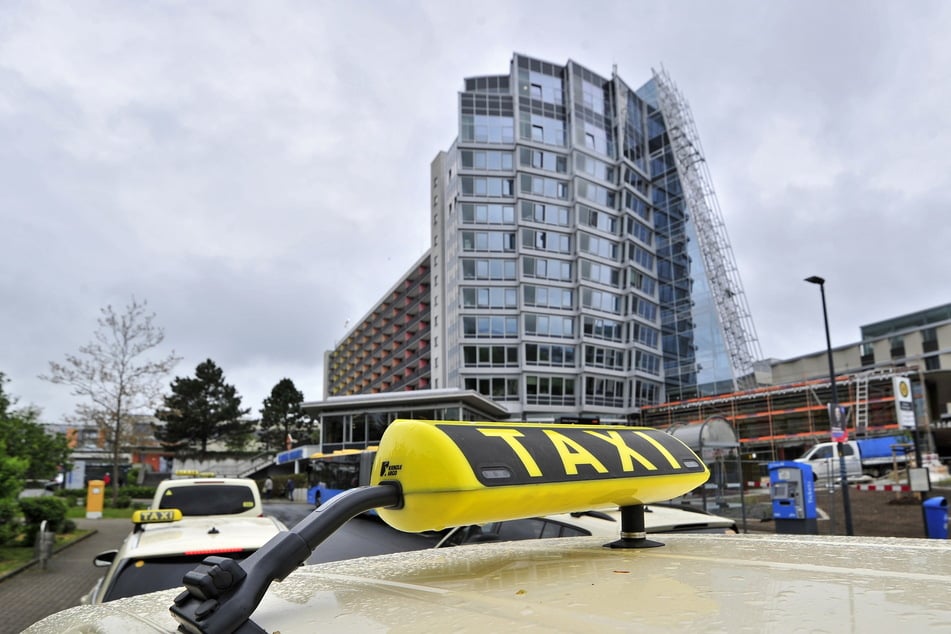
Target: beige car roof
(198,533)
(694,583)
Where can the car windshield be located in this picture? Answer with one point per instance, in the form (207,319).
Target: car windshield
(208,499)
(139,576)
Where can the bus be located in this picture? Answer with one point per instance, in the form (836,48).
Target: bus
(338,471)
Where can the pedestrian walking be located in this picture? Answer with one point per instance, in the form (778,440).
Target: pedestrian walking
(268,487)
(289,489)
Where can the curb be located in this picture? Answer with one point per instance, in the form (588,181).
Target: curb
(33,562)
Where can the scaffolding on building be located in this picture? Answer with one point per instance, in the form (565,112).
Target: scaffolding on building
(739,334)
(779,421)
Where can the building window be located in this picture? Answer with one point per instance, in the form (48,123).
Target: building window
(490,356)
(607,358)
(601,301)
(548,326)
(545,297)
(488,214)
(549,355)
(549,390)
(490,241)
(490,327)
(603,329)
(489,270)
(498,388)
(933,363)
(648,393)
(929,339)
(546,241)
(490,297)
(603,392)
(868,354)
(600,273)
(545,214)
(600,247)
(547,269)
(647,362)
(897,347)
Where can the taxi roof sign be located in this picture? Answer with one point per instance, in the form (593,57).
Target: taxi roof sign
(458,473)
(156,516)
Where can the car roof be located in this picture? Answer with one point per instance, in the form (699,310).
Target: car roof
(199,533)
(726,583)
(210,480)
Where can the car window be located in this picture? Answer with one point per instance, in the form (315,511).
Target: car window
(514,530)
(520,529)
(208,499)
(557,529)
(139,576)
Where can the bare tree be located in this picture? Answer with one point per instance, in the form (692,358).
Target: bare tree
(115,376)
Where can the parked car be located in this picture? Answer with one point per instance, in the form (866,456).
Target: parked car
(161,548)
(209,496)
(658,518)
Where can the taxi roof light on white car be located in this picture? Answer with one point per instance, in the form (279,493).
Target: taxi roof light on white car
(430,475)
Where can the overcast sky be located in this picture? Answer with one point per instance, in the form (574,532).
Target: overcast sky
(258,171)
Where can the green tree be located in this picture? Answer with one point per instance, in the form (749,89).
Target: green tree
(11,483)
(115,374)
(200,410)
(281,417)
(25,437)
(13,467)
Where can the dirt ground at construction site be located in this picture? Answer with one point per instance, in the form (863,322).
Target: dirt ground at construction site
(874,513)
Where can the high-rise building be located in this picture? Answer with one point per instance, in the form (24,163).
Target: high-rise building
(579,265)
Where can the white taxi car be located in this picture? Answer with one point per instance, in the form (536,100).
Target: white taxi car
(161,549)
(432,474)
(658,518)
(200,496)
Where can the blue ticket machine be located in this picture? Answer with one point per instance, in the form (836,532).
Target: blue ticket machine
(792,490)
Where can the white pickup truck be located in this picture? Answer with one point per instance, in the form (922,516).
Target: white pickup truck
(867,456)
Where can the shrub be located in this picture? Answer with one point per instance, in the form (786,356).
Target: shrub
(9,524)
(122,502)
(36,509)
(69,495)
(140,492)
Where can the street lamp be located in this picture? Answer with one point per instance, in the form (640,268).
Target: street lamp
(834,423)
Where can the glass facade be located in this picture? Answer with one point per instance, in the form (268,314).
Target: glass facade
(572,282)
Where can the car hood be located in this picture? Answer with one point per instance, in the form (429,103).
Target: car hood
(726,583)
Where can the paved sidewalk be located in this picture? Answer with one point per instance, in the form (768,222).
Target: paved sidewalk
(35,593)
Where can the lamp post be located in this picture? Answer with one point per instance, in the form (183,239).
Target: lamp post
(834,422)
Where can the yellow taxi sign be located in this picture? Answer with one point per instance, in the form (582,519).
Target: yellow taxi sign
(456,473)
(156,516)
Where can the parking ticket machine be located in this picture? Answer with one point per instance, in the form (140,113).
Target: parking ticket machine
(793,493)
